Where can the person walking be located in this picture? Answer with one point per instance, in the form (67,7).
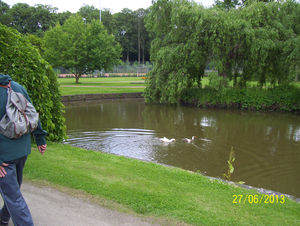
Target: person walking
(13,155)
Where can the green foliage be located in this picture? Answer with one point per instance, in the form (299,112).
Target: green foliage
(33,20)
(279,98)
(23,63)
(127,26)
(91,13)
(230,166)
(180,50)
(259,41)
(131,33)
(5,17)
(217,82)
(35,41)
(81,48)
(227,4)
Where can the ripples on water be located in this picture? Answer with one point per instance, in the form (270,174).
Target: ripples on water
(133,143)
(266,144)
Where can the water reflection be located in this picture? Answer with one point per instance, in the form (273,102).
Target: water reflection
(266,144)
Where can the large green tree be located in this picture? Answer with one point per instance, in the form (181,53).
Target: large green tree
(21,14)
(257,41)
(91,13)
(142,34)
(20,60)
(180,50)
(126,33)
(33,20)
(127,26)
(81,47)
(5,17)
(62,17)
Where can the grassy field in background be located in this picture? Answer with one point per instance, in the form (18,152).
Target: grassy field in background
(105,85)
(92,90)
(101,85)
(116,85)
(165,193)
(116,81)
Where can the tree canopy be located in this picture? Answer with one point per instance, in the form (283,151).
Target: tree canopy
(32,20)
(81,47)
(38,19)
(23,63)
(257,41)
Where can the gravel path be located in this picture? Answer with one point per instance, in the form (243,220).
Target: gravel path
(50,207)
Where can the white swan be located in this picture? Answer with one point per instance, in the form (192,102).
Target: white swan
(167,140)
(189,140)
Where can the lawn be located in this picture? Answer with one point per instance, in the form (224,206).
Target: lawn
(101,81)
(101,85)
(116,85)
(158,191)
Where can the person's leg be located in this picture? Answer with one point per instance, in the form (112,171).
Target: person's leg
(11,194)
(4,214)
(19,167)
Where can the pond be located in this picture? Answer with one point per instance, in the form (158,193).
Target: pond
(266,144)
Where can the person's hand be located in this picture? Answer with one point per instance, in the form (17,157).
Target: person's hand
(42,148)
(2,170)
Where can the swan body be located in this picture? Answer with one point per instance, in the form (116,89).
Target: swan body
(189,140)
(167,140)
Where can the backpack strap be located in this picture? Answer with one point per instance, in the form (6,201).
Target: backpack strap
(8,86)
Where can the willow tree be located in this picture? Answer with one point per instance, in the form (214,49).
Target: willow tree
(264,56)
(227,41)
(23,63)
(81,47)
(180,50)
(256,39)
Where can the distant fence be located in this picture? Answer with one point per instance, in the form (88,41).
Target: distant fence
(103,75)
(128,69)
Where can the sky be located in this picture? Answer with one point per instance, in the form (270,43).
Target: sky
(114,5)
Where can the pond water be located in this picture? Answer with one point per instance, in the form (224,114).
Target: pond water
(266,144)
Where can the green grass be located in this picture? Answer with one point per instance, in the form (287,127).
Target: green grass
(113,84)
(154,190)
(101,85)
(93,81)
(85,90)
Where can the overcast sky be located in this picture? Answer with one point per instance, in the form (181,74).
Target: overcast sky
(74,5)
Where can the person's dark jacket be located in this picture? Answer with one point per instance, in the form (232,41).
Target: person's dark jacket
(11,149)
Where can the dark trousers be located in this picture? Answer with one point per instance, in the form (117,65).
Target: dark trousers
(15,206)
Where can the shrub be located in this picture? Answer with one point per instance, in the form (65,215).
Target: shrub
(284,98)
(23,63)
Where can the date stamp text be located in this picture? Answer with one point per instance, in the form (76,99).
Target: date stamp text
(256,199)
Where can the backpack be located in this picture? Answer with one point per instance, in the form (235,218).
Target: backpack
(20,118)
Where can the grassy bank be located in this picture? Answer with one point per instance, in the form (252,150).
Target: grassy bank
(154,190)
